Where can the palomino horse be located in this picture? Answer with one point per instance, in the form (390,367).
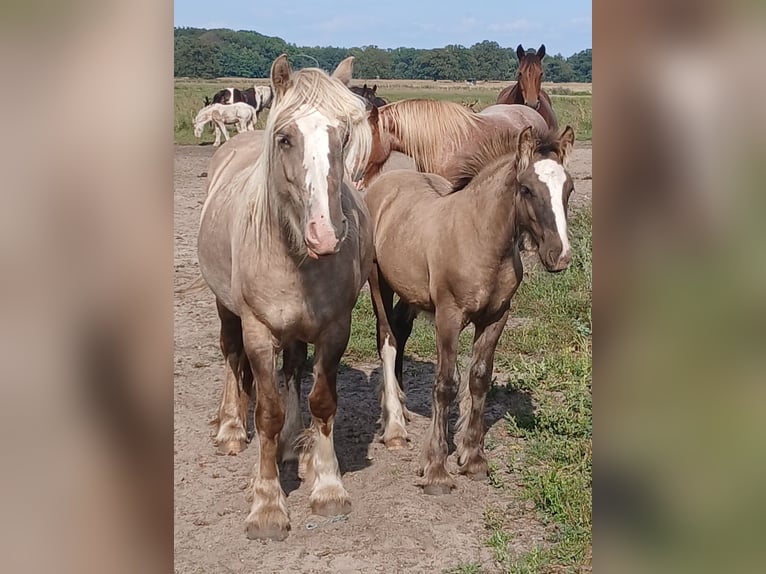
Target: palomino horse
(434,133)
(240,114)
(527,89)
(456,255)
(369,94)
(285,244)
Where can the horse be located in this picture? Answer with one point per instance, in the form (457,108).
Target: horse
(259,97)
(369,94)
(527,90)
(228,96)
(285,245)
(240,114)
(435,132)
(456,255)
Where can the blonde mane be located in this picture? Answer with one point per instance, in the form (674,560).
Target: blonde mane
(310,89)
(421,126)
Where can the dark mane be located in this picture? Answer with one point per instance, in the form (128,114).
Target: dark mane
(468,165)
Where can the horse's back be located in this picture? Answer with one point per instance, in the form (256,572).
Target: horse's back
(517,116)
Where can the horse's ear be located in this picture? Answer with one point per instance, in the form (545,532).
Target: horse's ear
(526,148)
(541,51)
(374,89)
(566,143)
(364,87)
(344,70)
(280,75)
(520,52)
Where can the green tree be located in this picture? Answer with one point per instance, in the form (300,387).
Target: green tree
(582,65)
(492,62)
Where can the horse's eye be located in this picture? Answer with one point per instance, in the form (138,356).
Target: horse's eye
(283,141)
(526,191)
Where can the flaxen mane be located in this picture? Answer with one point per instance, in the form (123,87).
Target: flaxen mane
(311,89)
(468,165)
(421,126)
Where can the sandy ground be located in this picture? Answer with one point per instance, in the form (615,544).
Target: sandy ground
(393,526)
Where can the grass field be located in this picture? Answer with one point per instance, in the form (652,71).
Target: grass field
(571,102)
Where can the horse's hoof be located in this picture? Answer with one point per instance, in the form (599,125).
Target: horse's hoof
(396,443)
(231,448)
(268,532)
(331,507)
(437,489)
(272,525)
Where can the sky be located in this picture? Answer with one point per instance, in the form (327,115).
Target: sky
(564,26)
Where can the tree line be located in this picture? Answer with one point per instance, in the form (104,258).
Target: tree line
(202,53)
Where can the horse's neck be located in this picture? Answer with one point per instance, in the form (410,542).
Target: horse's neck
(494,206)
(515,95)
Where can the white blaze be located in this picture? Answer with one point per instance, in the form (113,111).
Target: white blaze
(553,175)
(316,159)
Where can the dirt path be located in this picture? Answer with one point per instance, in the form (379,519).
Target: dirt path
(393,527)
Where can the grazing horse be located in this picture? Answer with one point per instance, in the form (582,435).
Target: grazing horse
(456,255)
(369,94)
(239,114)
(259,97)
(434,133)
(285,244)
(527,90)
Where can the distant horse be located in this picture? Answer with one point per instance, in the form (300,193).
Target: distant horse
(369,94)
(434,133)
(456,255)
(259,97)
(220,115)
(285,244)
(228,96)
(527,90)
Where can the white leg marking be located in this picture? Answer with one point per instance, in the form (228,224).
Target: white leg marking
(391,399)
(553,175)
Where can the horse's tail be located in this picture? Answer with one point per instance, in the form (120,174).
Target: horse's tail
(194,287)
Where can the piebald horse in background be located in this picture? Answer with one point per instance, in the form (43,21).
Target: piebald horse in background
(528,88)
(435,133)
(456,255)
(285,244)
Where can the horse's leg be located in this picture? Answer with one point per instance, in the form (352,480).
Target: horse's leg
(294,360)
(231,435)
(469,437)
(268,516)
(436,478)
(225,132)
(328,496)
(392,399)
(217,129)
(402,321)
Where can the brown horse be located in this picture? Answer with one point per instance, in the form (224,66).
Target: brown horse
(369,94)
(434,133)
(456,255)
(285,246)
(527,90)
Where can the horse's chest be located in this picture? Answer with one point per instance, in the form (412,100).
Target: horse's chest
(493,293)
